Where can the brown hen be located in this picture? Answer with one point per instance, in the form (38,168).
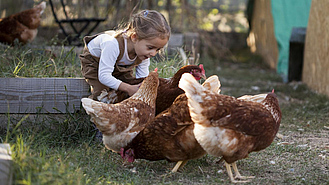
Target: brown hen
(22,26)
(168,89)
(228,127)
(170,135)
(121,122)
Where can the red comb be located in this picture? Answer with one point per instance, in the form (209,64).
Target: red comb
(202,69)
(156,69)
(272,90)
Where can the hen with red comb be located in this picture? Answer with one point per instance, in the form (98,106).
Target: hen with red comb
(228,127)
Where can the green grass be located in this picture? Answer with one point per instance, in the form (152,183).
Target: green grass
(28,61)
(62,148)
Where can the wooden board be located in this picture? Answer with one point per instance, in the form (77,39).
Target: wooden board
(261,38)
(5,165)
(175,41)
(41,95)
(316,55)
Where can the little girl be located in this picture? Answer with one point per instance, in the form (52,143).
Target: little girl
(108,59)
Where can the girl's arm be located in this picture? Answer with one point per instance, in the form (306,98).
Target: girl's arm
(109,53)
(142,71)
(130,89)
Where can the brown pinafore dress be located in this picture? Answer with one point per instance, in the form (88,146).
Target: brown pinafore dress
(90,63)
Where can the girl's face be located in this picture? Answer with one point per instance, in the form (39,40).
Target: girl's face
(147,48)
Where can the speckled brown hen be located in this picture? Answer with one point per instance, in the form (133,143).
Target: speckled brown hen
(168,89)
(22,26)
(170,135)
(228,127)
(121,122)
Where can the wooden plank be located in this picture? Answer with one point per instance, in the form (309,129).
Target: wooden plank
(192,39)
(175,41)
(316,55)
(261,38)
(41,95)
(6,172)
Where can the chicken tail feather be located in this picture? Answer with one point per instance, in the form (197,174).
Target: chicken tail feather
(190,85)
(213,84)
(87,105)
(195,94)
(41,7)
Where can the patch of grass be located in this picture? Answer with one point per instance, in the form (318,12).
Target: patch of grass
(62,148)
(27,61)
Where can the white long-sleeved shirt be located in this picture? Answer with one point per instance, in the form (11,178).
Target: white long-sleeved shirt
(106,47)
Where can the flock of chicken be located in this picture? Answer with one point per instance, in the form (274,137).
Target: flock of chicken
(178,119)
(174,119)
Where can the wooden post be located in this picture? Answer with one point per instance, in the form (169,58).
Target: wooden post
(6,173)
(175,41)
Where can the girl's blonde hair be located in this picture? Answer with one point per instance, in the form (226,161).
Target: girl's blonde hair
(148,24)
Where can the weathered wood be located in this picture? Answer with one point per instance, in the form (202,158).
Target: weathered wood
(261,38)
(41,95)
(175,40)
(316,55)
(192,41)
(6,173)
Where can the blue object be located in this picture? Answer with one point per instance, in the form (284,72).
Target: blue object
(286,15)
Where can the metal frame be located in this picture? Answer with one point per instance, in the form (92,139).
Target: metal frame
(85,21)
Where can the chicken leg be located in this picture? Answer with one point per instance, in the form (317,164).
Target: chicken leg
(178,165)
(237,173)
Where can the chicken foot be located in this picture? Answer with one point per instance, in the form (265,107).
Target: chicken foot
(178,165)
(236,171)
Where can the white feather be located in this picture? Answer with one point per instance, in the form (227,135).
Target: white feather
(87,105)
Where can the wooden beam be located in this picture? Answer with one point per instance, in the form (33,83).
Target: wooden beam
(175,41)
(6,173)
(42,95)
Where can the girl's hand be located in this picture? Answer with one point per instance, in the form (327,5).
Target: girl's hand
(130,89)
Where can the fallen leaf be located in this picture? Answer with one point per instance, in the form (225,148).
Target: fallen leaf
(322,156)
(283,143)
(133,170)
(303,146)
(280,136)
